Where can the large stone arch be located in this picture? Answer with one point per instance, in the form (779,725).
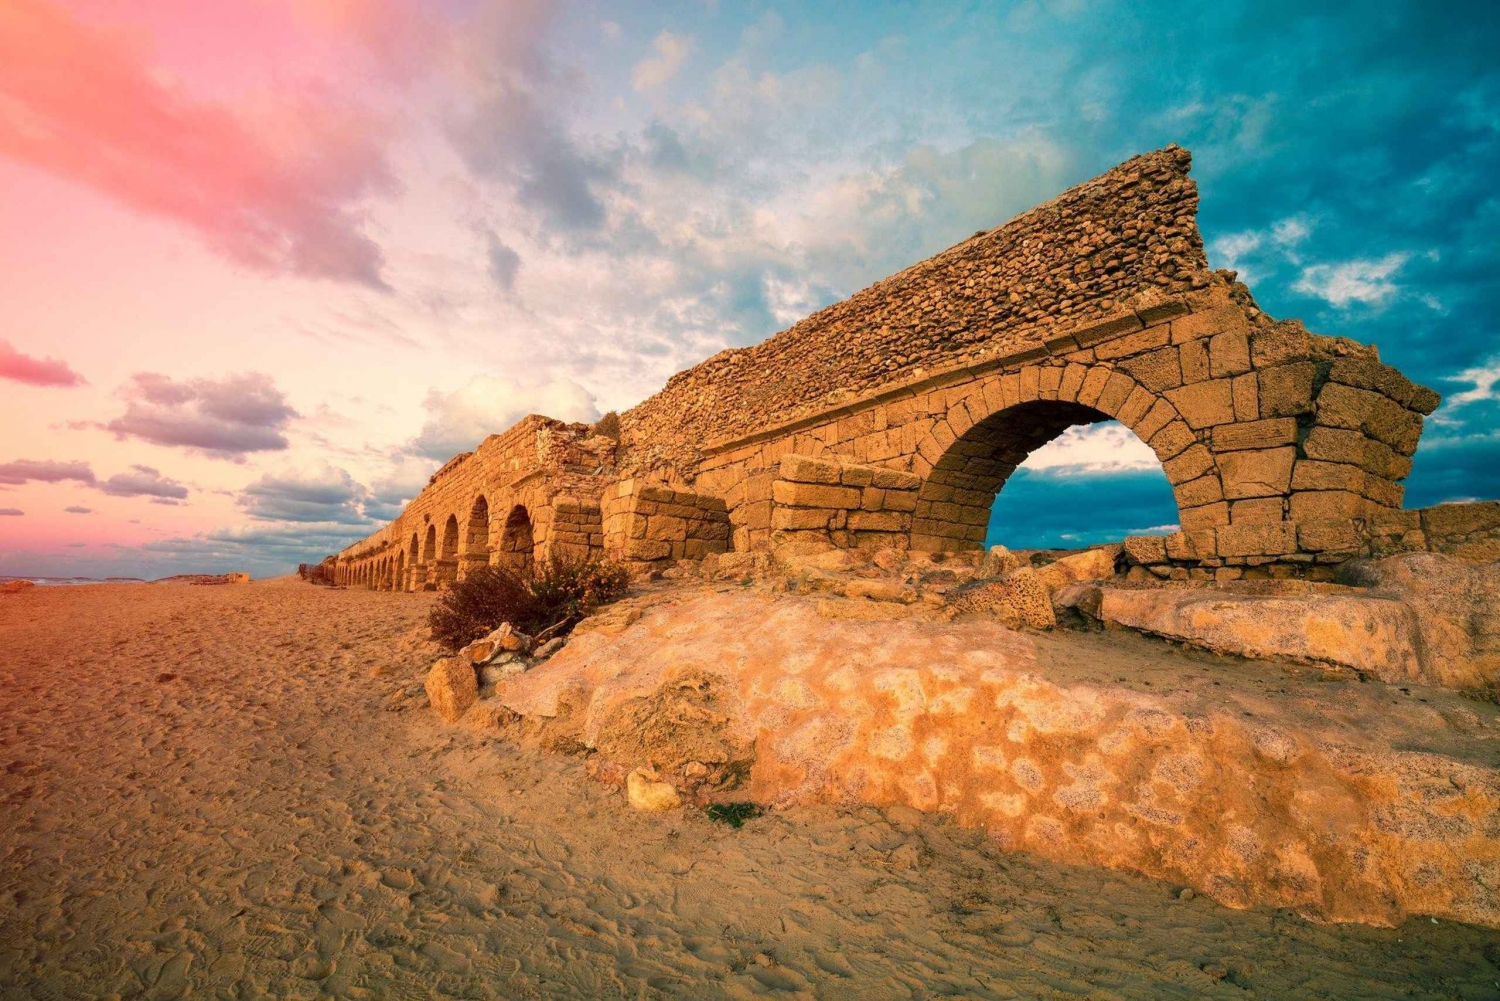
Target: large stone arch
(989,430)
(517,547)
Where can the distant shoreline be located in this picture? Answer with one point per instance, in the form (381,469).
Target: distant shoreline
(41,581)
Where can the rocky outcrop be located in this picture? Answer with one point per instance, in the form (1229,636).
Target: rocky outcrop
(1417,617)
(1344,800)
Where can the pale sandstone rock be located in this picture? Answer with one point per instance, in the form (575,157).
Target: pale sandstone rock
(494,674)
(451,688)
(650,796)
(16,586)
(1370,635)
(1019,598)
(481,651)
(997,562)
(880,589)
(1456,606)
(509,639)
(1344,801)
(1091,564)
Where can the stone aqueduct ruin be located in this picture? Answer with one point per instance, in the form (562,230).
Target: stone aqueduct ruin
(894,417)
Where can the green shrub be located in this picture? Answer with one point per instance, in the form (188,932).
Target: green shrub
(733,814)
(552,593)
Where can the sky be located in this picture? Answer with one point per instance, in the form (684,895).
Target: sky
(265,264)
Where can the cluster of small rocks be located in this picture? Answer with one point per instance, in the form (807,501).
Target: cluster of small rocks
(455,683)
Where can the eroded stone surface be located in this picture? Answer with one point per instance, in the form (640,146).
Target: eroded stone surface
(452,687)
(1344,800)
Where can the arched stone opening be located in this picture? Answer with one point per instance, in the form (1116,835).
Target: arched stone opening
(429,548)
(450,538)
(398,583)
(516,545)
(476,548)
(991,432)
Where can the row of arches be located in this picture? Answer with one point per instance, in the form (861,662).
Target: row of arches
(434,556)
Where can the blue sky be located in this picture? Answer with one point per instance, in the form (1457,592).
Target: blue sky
(444,216)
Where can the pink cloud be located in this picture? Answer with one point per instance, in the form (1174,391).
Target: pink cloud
(274,183)
(20,367)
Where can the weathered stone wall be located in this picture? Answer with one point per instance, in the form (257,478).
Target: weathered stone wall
(648,523)
(1280,445)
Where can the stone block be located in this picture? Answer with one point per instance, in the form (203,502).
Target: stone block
(666,527)
(1134,344)
(1461,519)
(1263,473)
(895,479)
(1372,413)
(1277,345)
(1115,392)
(1093,385)
(1191,545)
(1228,354)
(1255,434)
(856,476)
(1256,511)
(1191,464)
(1287,390)
(879,521)
(1247,396)
(1159,416)
(1340,445)
(1203,490)
(1207,323)
(1193,358)
(1156,370)
(800,518)
(1171,440)
(1338,535)
(1072,380)
(1144,550)
(1208,516)
(1204,404)
(814,495)
(803,469)
(1312,474)
(1135,406)
(1367,373)
(900,500)
(1266,539)
(647,549)
(1326,505)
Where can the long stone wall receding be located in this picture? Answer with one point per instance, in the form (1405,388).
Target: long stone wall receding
(1285,449)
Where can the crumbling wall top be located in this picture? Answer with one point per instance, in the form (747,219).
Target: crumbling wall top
(1129,232)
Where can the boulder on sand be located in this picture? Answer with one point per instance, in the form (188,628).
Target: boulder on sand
(1019,598)
(650,796)
(452,688)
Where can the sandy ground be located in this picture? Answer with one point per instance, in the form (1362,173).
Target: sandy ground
(204,795)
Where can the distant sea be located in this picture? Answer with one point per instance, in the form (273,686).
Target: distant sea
(69,581)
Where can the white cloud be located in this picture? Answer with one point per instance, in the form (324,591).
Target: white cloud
(489,404)
(1359,281)
(1093,448)
(1229,250)
(655,70)
(610,29)
(1486,382)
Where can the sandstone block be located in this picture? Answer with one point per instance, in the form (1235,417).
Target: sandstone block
(1193,519)
(814,495)
(1193,357)
(452,688)
(1326,505)
(1247,397)
(1312,474)
(1256,511)
(997,562)
(801,519)
(1255,434)
(857,476)
(1262,473)
(1338,535)
(1191,464)
(1286,390)
(878,521)
(1204,404)
(1144,550)
(1340,445)
(1228,354)
(1191,545)
(1116,390)
(1204,490)
(1268,539)
(1372,413)
(900,500)
(802,469)
(647,549)
(1367,373)
(1156,370)
(894,479)
(1461,519)
(1091,564)
(1134,344)
(1286,342)
(1206,323)
(1171,440)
